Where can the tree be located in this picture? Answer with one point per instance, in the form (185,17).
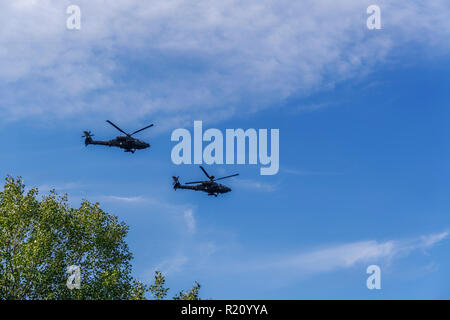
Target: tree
(189,295)
(39,240)
(158,289)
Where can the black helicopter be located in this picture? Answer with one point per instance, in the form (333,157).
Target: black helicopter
(126,142)
(210,186)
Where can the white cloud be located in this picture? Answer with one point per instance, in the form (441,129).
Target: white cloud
(350,254)
(148,200)
(179,60)
(189,255)
(430,240)
(206,257)
(256,185)
(308,172)
(183,214)
(308,108)
(124,199)
(190,220)
(45,188)
(171,265)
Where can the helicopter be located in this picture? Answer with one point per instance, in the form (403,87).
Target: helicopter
(210,186)
(126,142)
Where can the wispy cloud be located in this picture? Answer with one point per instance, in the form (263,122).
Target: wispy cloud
(125,199)
(189,257)
(350,254)
(190,220)
(215,55)
(308,172)
(257,185)
(204,258)
(182,212)
(45,188)
(430,240)
(169,266)
(147,200)
(307,108)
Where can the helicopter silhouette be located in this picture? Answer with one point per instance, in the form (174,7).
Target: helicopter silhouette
(209,186)
(126,142)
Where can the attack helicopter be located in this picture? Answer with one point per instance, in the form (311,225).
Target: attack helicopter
(209,186)
(127,142)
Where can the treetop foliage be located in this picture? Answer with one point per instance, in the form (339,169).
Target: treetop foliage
(40,239)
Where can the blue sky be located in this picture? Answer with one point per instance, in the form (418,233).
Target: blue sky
(363,118)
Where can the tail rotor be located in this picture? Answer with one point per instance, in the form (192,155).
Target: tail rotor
(176,182)
(88,137)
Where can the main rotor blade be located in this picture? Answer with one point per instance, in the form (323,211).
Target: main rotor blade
(117,127)
(204,171)
(192,182)
(233,175)
(141,129)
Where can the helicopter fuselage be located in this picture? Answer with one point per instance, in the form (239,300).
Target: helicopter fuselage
(209,186)
(212,188)
(129,144)
(126,142)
